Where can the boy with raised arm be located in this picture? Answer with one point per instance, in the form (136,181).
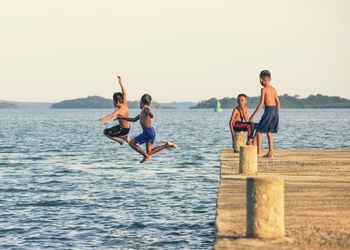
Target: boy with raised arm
(269,121)
(148,135)
(121,130)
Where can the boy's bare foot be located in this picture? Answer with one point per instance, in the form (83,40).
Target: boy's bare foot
(169,144)
(145,158)
(249,142)
(268,155)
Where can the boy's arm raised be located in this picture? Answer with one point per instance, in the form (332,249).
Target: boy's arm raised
(136,118)
(261,104)
(122,87)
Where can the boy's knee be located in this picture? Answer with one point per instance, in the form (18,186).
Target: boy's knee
(132,142)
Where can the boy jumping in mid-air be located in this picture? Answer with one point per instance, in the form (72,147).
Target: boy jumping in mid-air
(269,121)
(148,135)
(239,118)
(121,130)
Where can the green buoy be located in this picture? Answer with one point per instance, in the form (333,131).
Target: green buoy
(218,106)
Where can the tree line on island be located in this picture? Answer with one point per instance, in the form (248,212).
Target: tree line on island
(287,101)
(98,102)
(7,105)
(94,102)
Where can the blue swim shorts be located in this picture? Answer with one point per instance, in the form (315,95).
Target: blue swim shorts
(148,135)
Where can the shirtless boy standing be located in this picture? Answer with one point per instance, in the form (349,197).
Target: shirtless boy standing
(269,121)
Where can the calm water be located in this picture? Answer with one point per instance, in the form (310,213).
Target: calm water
(63,185)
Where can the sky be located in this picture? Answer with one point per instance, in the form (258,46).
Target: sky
(183,50)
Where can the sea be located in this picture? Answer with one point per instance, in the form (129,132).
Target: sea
(64,185)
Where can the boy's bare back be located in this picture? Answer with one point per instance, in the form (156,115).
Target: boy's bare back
(270,96)
(123,111)
(146,118)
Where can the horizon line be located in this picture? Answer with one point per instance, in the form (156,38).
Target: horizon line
(178,101)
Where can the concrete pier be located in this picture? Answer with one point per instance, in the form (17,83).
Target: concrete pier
(317,200)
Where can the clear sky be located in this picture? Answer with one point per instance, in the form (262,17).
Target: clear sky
(180,50)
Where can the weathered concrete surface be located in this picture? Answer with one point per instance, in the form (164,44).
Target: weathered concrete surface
(248,160)
(240,139)
(317,200)
(265,207)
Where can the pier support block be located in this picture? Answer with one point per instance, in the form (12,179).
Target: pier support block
(265,207)
(248,160)
(239,140)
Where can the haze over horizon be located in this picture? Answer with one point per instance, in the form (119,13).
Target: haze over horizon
(176,51)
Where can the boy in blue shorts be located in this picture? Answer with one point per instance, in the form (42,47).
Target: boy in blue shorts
(269,121)
(148,135)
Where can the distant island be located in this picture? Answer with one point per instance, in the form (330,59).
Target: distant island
(98,102)
(287,101)
(94,102)
(7,105)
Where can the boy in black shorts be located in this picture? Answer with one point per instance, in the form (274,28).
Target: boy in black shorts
(121,130)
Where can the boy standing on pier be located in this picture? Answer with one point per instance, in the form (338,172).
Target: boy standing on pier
(121,130)
(148,135)
(269,121)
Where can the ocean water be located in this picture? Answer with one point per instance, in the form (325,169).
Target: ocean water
(63,185)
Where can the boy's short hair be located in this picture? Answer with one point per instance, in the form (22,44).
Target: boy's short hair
(146,99)
(118,97)
(265,73)
(244,95)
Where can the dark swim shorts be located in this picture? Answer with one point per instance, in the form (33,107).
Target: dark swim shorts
(269,120)
(116,131)
(245,126)
(148,135)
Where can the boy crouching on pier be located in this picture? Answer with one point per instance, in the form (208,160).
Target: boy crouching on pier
(239,119)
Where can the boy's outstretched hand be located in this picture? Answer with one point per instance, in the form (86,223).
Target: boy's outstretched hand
(251,119)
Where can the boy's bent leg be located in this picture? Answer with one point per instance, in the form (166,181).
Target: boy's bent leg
(133,144)
(126,138)
(113,138)
(168,144)
(149,148)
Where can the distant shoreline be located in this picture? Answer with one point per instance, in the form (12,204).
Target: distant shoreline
(97,102)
